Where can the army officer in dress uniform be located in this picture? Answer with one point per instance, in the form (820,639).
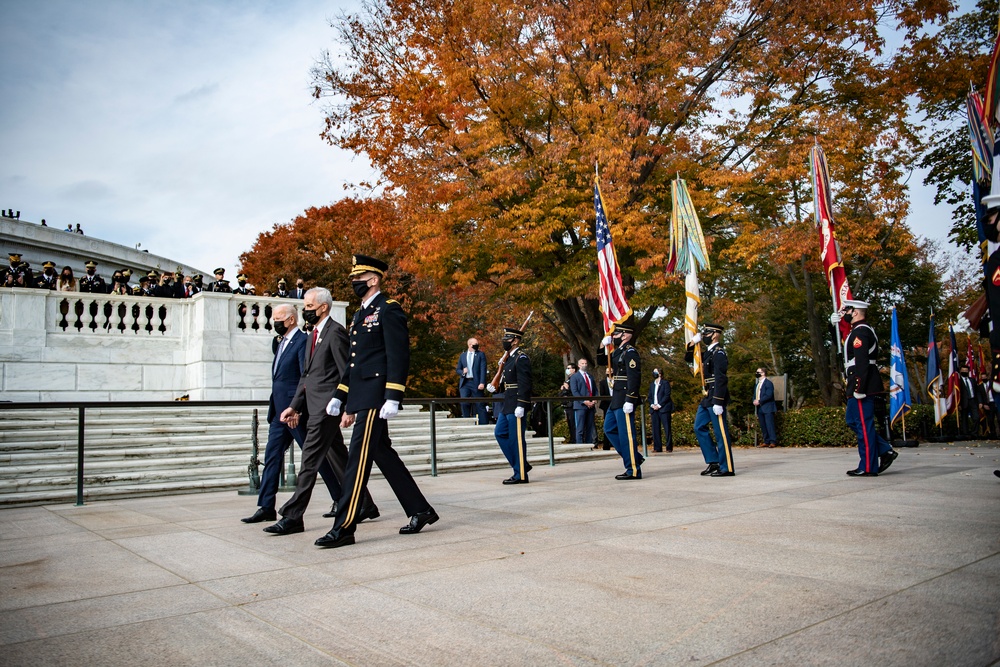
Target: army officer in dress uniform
(370,394)
(712,409)
(626,380)
(512,420)
(91,281)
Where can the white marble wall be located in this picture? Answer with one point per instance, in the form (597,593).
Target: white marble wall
(203,353)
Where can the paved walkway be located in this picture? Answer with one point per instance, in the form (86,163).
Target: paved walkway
(789,563)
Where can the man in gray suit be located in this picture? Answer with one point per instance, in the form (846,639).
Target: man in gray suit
(326,365)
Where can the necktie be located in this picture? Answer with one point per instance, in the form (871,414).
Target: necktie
(760,383)
(315,338)
(281,348)
(586,378)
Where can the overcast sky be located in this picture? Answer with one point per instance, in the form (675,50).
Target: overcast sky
(185,126)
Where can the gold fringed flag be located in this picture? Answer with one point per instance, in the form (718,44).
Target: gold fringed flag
(687,242)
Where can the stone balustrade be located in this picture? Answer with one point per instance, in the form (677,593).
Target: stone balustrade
(72,346)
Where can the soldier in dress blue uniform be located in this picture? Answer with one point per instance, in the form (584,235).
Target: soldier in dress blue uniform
(712,409)
(513,418)
(626,380)
(91,281)
(863,382)
(48,278)
(370,394)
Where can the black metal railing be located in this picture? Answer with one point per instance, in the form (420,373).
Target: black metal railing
(431,404)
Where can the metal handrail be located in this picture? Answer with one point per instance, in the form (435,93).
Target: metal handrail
(82,406)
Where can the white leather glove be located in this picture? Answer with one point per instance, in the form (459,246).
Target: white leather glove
(628,408)
(717,409)
(695,339)
(389,409)
(333,407)
(606,341)
(835,318)
(519,412)
(490,388)
(859,396)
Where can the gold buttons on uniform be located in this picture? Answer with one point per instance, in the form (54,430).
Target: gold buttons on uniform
(352,354)
(352,365)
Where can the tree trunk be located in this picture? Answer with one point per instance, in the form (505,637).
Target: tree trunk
(824,377)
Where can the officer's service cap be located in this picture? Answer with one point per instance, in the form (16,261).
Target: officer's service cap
(511,331)
(219,270)
(49,265)
(15,257)
(856,303)
(708,327)
(91,264)
(242,276)
(152,274)
(127,272)
(197,276)
(282,282)
(628,326)
(144,279)
(363,264)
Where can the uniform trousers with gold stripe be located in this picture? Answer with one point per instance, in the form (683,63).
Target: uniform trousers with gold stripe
(720,450)
(509,433)
(620,430)
(370,443)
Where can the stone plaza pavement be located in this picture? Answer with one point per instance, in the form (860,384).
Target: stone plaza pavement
(791,562)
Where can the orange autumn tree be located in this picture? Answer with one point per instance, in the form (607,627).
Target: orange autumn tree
(488,119)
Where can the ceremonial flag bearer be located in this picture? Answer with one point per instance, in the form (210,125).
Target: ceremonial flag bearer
(619,419)
(712,409)
(512,420)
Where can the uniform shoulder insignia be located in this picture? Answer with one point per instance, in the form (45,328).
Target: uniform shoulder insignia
(631,364)
(391,301)
(857,342)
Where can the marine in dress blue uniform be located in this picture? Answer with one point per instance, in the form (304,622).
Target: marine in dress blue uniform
(619,418)
(370,395)
(863,382)
(513,418)
(712,410)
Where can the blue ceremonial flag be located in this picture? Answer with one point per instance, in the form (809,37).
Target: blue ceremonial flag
(899,389)
(933,383)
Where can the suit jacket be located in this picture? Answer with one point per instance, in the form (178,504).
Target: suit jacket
(578,387)
(380,356)
(661,397)
(763,391)
(478,368)
(324,369)
(967,393)
(285,375)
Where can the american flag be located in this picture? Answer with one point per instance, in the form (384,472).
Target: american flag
(614,307)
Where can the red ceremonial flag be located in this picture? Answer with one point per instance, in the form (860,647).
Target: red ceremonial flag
(614,306)
(970,361)
(992,96)
(954,391)
(833,264)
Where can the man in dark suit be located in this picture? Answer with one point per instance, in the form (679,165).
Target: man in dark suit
(471,369)
(967,404)
(370,394)
(220,284)
(289,349)
(326,363)
(582,386)
(300,289)
(661,411)
(763,400)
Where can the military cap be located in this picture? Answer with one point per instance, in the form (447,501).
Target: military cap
(152,274)
(242,276)
(197,276)
(628,326)
(709,327)
(511,331)
(856,303)
(219,270)
(144,279)
(363,264)
(127,272)
(282,282)
(91,264)
(15,257)
(49,265)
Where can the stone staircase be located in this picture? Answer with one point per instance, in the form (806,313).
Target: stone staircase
(158,451)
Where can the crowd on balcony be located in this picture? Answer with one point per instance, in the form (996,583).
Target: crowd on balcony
(166,284)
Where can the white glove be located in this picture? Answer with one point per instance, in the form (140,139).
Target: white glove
(717,409)
(519,412)
(628,408)
(695,339)
(835,318)
(333,407)
(490,388)
(606,341)
(859,396)
(389,409)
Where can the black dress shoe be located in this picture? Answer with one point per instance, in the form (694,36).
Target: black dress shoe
(332,540)
(861,473)
(515,480)
(712,467)
(333,511)
(527,467)
(997,473)
(886,460)
(286,526)
(418,521)
(670,449)
(261,515)
(626,475)
(719,473)
(366,513)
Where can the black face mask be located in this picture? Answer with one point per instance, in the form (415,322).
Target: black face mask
(310,316)
(760,375)
(280,327)
(360,287)
(50,272)
(91,272)
(848,316)
(476,347)
(655,374)
(242,283)
(507,345)
(299,285)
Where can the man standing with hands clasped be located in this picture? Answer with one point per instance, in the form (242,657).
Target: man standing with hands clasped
(471,368)
(370,394)
(763,401)
(661,411)
(863,382)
